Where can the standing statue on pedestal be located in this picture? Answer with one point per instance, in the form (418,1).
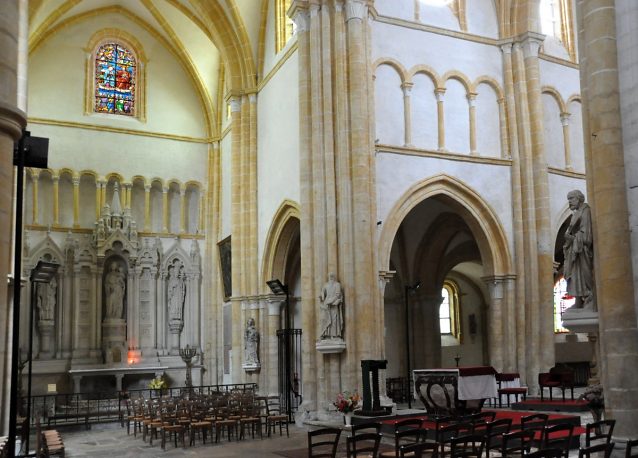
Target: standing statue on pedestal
(251,343)
(578,251)
(115,286)
(45,299)
(331,298)
(176,292)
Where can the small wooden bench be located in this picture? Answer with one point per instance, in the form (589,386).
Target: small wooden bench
(48,442)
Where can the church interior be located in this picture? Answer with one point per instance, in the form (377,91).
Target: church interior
(357,180)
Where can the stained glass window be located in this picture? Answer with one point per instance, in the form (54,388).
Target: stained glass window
(115,79)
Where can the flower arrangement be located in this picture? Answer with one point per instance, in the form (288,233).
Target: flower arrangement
(594,396)
(346,402)
(158,383)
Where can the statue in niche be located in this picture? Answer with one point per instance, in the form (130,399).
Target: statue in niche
(251,343)
(331,299)
(45,299)
(176,292)
(114,287)
(578,251)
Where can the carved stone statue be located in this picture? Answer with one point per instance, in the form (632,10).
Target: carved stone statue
(331,298)
(45,300)
(176,292)
(578,251)
(251,343)
(115,287)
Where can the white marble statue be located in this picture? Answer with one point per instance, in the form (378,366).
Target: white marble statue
(115,287)
(578,251)
(176,292)
(331,298)
(251,343)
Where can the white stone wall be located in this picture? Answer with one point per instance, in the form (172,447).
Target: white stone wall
(277,145)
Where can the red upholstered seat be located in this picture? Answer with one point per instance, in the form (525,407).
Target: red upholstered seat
(509,390)
(557,377)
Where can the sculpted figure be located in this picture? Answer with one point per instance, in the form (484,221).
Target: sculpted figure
(578,267)
(176,292)
(331,298)
(251,343)
(114,286)
(45,299)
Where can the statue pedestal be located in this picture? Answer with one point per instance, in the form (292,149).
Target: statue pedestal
(175,328)
(580,320)
(251,367)
(114,340)
(334,345)
(46,329)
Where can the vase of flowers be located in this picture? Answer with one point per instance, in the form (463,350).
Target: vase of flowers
(593,395)
(159,385)
(345,403)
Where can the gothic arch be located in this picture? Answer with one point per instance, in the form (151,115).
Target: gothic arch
(284,226)
(478,215)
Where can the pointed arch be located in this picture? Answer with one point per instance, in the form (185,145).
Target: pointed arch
(477,214)
(282,231)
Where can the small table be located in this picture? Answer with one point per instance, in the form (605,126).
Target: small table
(456,391)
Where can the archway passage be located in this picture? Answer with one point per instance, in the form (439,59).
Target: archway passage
(445,318)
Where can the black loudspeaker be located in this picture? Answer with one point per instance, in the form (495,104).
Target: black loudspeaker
(31,151)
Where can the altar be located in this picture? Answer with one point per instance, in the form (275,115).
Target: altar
(117,372)
(455,391)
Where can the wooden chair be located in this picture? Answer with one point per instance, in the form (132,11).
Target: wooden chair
(404,437)
(631,446)
(516,391)
(517,443)
(535,422)
(420,450)
(323,442)
(546,453)
(275,416)
(557,377)
(558,436)
(466,446)
(599,430)
(363,444)
(604,448)
(367,427)
(450,431)
(494,431)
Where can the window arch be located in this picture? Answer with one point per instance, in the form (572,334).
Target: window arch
(285,27)
(556,21)
(115,75)
(115,79)
(449,310)
(562,301)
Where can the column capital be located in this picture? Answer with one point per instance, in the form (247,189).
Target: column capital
(147,188)
(407,88)
(298,12)
(439,93)
(564,118)
(12,120)
(506,48)
(531,43)
(75,180)
(471,98)
(235,104)
(165,189)
(356,9)
(55,177)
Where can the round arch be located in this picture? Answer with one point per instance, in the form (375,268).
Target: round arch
(478,215)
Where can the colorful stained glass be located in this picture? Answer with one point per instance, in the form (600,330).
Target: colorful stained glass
(115,78)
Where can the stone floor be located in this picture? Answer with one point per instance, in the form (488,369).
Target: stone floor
(111,439)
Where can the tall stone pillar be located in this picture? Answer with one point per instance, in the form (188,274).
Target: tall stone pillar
(12,121)
(607,54)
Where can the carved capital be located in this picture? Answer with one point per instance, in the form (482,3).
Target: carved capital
(564,118)
(12,120)
(235,104)
(439,93)
(356,9)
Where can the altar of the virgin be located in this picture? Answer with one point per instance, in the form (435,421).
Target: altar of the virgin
(119,308)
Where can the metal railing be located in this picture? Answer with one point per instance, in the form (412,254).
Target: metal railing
(87,408)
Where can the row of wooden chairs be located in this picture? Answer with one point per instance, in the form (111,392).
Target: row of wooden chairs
(473,436)
(231,414)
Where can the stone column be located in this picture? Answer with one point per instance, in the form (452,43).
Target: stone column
(118,381)
(607,136)
(147,207)
(76,201)
(103,185)
(495,341)
(564,120)
(12,121)
(77,383)
(471,100)
(35,176)
(182,210)
(502,116)
(56,199)
(165,222)
(440,114)
(98,199)
(407,112)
